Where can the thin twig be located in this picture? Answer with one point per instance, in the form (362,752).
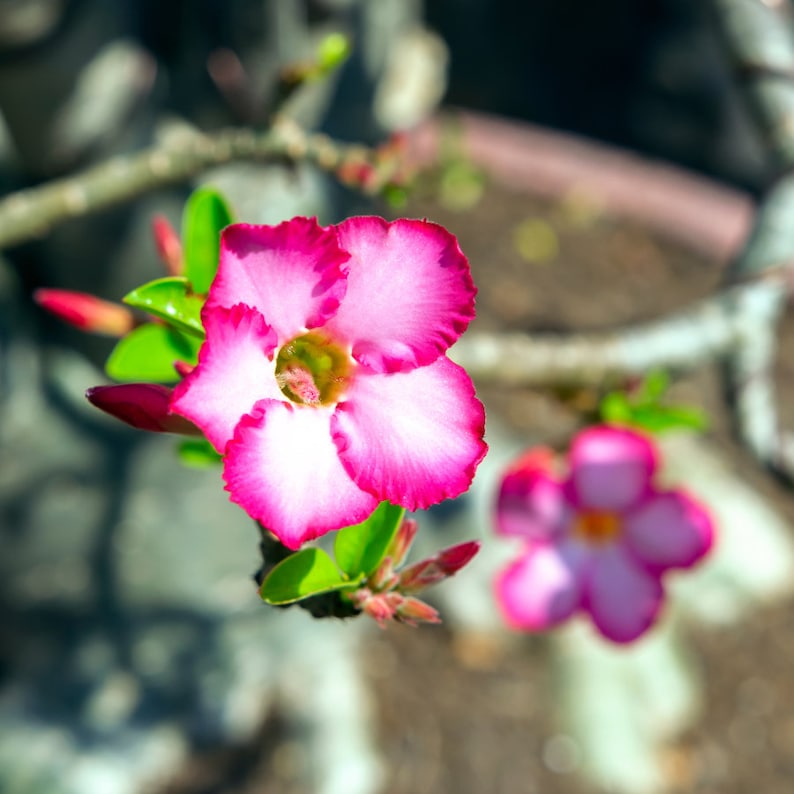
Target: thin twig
(710,330)
(760,43)
(33,212)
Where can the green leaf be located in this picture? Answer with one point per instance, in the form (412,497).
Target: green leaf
(359,549)
(148,353)
(306,573)
(332,51)
(661,419)
(170,299)
(206,214)
(653,386)
(198,453)
(615,407)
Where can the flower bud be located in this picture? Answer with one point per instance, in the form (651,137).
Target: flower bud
(383,578)
(378,606)
(438,567)
(169,247)
(412,611)
(142,405)
(86,312)
(401,542)
(183,368)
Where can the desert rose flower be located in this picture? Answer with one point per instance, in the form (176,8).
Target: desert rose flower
(323,379)
(599,539)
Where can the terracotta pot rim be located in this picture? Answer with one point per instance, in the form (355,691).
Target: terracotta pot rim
(705,215)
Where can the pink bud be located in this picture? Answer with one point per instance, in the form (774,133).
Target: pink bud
(454,558)
(183,368)
(383,577)
(379,607)
(412,611)
(435,569)
(86,312)
(142,405)
(535,459)
(402,540)
(169,248)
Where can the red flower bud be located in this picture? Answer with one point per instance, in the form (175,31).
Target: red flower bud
(169,247)
(86,312)
(435,569)
(142,405)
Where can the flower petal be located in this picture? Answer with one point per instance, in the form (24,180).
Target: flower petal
(409,292)
(610,468)
(623,599)
(669,530)
(414,438)
(293,273)
(235,370)
(532,502)
(283,469)
(543,587)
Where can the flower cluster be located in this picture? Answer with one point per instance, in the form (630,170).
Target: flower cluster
(323,379)
(598,539)
(389,594)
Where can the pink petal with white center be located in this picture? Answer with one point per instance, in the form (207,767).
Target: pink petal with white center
(669,530)
(414,438)
(622,598)
(294,274)
(235,370)
(543,587)
(610,468)
(533,504)
(283,469)
(409,292)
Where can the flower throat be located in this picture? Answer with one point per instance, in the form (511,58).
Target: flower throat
(311,370)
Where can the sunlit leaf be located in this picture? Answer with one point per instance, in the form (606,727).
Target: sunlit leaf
(359,549)
(170,299)
(148,354)
(206,214)
(306,573)
(333,51)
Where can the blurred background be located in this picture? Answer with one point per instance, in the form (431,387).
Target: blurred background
(134,653)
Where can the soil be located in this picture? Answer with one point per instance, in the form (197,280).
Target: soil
(458,716)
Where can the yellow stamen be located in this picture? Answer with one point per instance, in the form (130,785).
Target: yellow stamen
(597,526)
(313,370)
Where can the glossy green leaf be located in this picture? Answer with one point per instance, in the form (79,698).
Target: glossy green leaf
(206,214)
(360,548)
(198,453)
(306,573)
(148,354)
(170,299)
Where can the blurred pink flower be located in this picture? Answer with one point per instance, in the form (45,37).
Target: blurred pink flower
(323,378)
(599,539)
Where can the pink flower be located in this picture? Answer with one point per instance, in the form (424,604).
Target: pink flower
(599,540)
(323,378)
